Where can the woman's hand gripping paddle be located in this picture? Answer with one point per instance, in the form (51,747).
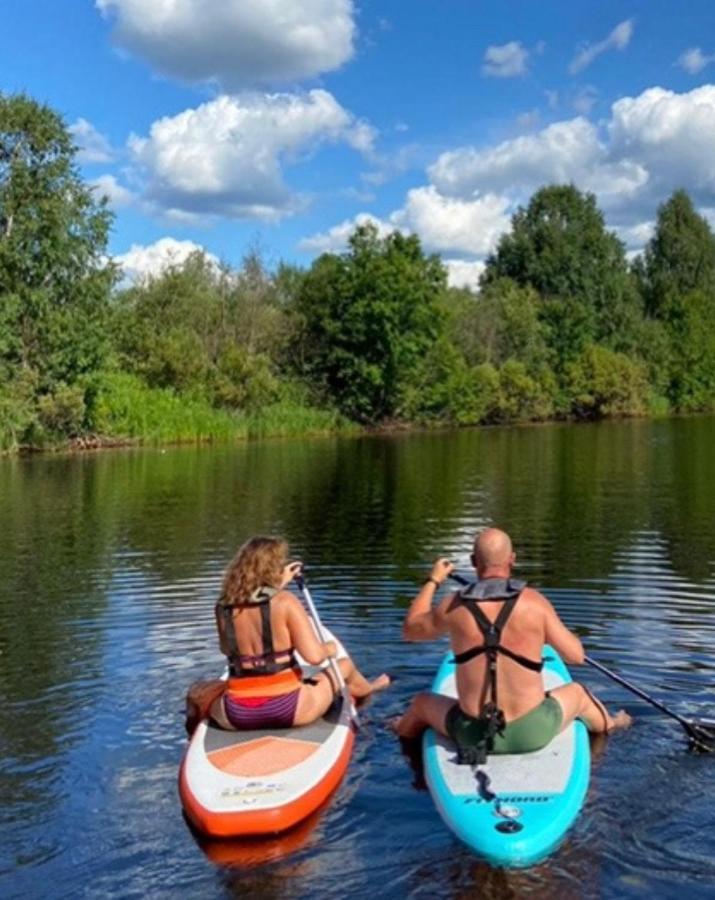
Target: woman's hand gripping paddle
(332,661)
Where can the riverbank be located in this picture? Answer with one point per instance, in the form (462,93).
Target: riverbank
(280,421)
(126,412)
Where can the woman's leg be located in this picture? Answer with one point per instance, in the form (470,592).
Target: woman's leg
(218,714)
(314,699)
(200,700)
(358,685)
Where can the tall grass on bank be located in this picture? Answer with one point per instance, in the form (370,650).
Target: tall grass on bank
(128,409)
(287,419)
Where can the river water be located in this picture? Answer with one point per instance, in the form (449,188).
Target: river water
(109,567)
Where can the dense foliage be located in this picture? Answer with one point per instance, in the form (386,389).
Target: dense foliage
(562,325)
(54,277)
(368,318)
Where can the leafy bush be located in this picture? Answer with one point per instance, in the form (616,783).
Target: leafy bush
(243,380)
(61,413)
(523,397)
(18,409)
(604,383)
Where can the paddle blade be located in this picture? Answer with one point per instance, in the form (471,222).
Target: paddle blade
(702,735)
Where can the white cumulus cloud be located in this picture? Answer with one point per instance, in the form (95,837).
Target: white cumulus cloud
(618,39)
(448,224)
(694,60)
(443,224)
(569,151)
(335,239)
(505,60)
(650,145)
(143,261)
(117,195)
(93,146)
(671,135)
(462,273)
(236,43)
(226,156)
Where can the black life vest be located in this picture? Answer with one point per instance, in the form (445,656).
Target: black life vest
(491,589)
(247,664)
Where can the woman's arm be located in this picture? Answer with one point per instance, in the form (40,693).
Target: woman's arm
(302,634)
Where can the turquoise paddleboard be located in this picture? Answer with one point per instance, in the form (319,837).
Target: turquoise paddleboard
(537,795)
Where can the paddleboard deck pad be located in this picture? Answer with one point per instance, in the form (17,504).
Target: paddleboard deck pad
(537,795)
(240,783)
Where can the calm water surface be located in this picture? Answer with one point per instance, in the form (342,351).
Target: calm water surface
(109,566)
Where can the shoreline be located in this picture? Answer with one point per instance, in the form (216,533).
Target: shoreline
(90,444)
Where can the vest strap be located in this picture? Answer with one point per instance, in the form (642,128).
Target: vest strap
(492,589)
(262,663)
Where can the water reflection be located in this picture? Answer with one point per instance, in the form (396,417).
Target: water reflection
(108,569)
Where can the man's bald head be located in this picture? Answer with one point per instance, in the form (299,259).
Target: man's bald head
(493,550)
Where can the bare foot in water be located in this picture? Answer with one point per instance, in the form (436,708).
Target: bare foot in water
(380,683)
(360,687)
(621,720)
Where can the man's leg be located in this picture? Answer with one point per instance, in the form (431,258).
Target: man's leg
(426,710)
(578,703)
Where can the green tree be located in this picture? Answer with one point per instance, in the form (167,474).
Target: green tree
(205,329)
(692,387)
(54,276)
(559,246)
(678,260)
(368,318)
(500,323)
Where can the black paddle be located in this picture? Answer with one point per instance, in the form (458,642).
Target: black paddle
(701,734)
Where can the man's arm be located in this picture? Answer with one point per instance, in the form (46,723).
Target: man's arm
(565,642)
(424,622)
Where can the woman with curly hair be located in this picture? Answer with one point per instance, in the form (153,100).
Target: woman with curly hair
(261,625)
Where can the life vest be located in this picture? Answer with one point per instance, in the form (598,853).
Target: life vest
(510,590)
(248,664)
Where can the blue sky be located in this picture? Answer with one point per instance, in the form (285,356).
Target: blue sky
(229,124)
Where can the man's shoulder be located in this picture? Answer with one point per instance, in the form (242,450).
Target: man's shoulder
(533,597)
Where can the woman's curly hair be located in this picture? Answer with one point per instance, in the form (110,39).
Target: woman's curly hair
(257,563)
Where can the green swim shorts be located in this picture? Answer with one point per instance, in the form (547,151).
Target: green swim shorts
(529,732)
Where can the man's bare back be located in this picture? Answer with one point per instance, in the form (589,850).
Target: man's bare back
(525,633)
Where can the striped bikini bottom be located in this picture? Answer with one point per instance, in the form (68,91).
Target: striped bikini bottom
(263,701)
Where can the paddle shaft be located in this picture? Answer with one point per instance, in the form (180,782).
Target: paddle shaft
(642,694)
(332,661)
(688,726)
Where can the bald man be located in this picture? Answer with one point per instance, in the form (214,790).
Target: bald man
(521,718)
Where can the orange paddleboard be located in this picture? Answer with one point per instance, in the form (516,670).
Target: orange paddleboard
(241,783)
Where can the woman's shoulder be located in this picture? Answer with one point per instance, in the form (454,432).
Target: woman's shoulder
(285,599)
